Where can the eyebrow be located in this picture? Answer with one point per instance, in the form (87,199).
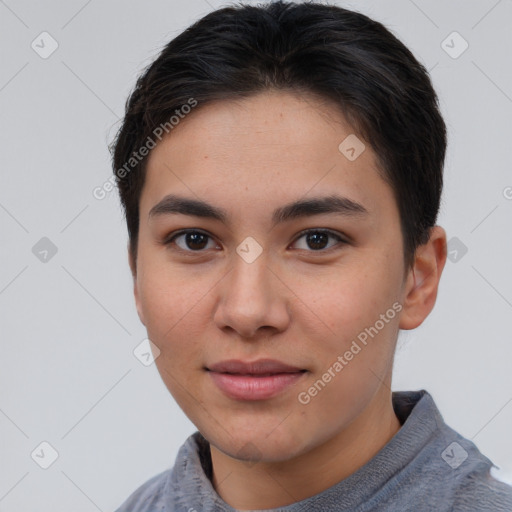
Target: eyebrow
(174,204)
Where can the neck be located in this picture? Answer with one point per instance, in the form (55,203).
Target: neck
(272,485)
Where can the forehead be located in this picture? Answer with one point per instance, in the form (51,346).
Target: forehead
(267,145)
(275,122)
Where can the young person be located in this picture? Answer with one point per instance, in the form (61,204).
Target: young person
(280,168)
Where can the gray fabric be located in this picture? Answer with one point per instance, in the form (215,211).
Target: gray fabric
(413,471)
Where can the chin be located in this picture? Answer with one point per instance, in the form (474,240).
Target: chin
(258,444)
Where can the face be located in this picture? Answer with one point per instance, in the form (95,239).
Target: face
(261,280)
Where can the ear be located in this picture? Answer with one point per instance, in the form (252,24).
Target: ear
(422,281)
(133,268)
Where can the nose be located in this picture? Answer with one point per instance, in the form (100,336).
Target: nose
(253,300)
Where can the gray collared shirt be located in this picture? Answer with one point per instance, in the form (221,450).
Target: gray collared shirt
(426,466)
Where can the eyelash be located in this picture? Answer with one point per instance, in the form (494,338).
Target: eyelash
(170,239)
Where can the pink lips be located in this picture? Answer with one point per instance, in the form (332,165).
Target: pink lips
(257,380)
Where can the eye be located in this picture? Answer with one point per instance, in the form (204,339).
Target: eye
(191,240)
(317,239)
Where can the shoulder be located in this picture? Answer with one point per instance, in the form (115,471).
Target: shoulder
(444,469)
(149,497)
(480,490)
(168,490)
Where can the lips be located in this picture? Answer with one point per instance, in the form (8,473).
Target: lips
(258,380)
(261,367)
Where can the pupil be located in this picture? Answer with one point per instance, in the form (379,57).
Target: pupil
(314,242)
(195,238)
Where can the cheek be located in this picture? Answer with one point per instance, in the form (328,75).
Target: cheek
(349,308)
(173,310)
(167,293)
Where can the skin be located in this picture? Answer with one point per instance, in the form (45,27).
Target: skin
(300,305)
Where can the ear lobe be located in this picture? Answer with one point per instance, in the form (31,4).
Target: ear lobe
(133,268)
(423,280)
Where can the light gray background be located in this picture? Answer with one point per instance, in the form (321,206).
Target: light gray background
(69,326)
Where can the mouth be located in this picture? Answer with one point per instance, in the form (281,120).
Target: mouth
(259,375)
(257,380)
(261,367)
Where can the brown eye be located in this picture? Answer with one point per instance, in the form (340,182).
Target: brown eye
(190,240)
(318,239)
